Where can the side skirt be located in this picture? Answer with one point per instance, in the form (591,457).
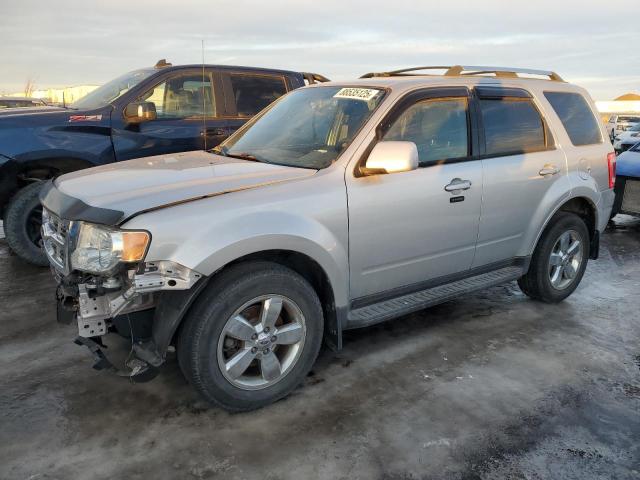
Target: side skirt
(389,308)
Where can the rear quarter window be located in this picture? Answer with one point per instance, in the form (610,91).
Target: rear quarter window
(252,93)
(576,117)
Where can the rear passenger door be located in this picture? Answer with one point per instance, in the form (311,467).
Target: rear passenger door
(520,165)
(247,93)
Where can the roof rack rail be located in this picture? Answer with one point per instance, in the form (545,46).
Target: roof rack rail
(461,70)
(314,78)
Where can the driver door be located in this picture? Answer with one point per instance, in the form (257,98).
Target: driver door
(186,110)
(405,229)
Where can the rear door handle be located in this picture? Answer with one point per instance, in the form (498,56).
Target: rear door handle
(216,131)
(458,184)
(549,169)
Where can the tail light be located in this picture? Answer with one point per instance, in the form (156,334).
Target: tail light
(611,164)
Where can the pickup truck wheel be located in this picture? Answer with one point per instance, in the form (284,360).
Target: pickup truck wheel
(559,260)
(252,336)
(22,222)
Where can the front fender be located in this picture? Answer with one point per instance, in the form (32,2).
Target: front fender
(207,247)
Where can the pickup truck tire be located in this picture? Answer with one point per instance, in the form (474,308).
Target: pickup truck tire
(559,260)
(264,319)
(22,225)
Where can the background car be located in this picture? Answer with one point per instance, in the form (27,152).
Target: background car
(150,111)
(620,123)
(627,139)
(21,102)
(628,182)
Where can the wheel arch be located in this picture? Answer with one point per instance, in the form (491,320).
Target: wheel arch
(166,327)
(582,206)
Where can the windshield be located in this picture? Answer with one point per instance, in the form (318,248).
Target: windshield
(629,119)
(307,128)
(108,92)
(635,128)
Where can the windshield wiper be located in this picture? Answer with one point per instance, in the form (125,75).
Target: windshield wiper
(243,156)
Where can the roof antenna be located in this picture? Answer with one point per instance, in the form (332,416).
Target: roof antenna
(204,103)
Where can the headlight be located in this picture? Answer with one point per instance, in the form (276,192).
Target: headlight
(99,249)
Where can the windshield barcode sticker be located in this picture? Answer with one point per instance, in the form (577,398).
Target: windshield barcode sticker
(364,94)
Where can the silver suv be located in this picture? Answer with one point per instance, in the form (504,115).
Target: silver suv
(342,205)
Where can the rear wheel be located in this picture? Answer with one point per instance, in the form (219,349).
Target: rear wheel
(559,260)
(22,222)
(252,336)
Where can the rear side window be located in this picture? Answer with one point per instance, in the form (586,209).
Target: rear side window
(512,126)
(254,92)
(576,116)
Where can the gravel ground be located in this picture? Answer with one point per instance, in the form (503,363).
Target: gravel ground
(490,386)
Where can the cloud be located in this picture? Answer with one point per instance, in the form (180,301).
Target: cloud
(74,42)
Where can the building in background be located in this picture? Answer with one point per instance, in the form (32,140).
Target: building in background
(58,96)
(625,104)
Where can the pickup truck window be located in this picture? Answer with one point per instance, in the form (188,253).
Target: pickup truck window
(110,91)
(438,127)
(182,96)
(254,92)
(307,128)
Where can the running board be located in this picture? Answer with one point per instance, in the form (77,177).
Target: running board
(395,307)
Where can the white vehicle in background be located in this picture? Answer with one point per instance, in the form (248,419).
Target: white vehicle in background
(621,123)
(627,139)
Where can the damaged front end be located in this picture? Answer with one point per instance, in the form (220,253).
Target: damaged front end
(105,292)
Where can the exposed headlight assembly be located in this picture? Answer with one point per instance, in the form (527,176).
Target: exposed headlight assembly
(98,249)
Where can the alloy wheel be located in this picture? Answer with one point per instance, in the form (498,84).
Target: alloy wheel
(565,259)
(261,342)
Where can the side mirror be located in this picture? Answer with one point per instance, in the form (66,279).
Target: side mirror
(391,157)
(138,112)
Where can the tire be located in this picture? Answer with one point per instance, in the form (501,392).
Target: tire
(248,290)
(538,283)
(22,225)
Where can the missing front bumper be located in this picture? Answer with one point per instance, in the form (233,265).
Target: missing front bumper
(136,370)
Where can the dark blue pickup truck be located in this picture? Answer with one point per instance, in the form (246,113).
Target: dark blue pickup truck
(150,111)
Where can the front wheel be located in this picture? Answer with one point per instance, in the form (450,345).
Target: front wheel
(559,260)
(22,223)
(252,336)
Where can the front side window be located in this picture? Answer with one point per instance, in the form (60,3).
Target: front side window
(512,126)
(254,92)
(576,116)
(438,127)
(112,90)
(182,96)
(307,128)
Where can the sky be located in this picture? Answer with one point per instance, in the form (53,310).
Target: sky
(66,42)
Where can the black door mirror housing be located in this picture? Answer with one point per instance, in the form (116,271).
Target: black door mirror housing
(138,112)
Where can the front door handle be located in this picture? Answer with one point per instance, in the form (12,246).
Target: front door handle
(549,169)
(457,184)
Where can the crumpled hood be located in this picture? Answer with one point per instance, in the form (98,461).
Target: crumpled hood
(150,183)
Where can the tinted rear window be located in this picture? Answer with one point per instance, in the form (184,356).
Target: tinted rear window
(253,92)
(512,126)
(576,116)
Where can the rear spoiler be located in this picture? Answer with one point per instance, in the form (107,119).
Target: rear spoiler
(312,78)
